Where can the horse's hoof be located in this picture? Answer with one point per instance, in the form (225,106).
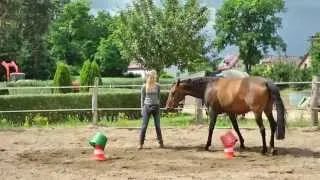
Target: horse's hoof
(274,152)
(264,151)
(206,148)
(242,147)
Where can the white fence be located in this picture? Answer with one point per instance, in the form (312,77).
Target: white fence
(95,90)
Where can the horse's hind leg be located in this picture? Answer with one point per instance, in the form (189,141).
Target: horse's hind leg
(273,126)
(262,131)
(213,117)
(234,122)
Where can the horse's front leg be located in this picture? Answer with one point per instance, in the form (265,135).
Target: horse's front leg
(213,118)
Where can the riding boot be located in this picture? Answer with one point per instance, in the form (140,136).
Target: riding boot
(142,138)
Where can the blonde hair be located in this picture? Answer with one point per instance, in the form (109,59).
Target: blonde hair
(151,80)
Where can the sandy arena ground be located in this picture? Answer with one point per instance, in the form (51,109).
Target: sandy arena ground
(64,154)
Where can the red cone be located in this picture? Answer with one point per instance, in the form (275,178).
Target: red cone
(229,153)
(229,140)
(99,154)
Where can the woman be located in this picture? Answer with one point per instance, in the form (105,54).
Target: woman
(150,104)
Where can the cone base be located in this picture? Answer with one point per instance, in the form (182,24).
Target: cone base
(98,154)
(99,158)
(229,155)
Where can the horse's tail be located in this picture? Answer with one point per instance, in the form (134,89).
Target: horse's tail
(281,111)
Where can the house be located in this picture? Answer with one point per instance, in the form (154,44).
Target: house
(268,60)
(230,62)
(136,68)
(305,62)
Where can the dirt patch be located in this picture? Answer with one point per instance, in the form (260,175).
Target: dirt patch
(65,154)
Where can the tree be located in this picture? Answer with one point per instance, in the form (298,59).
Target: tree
(57,8)
(109,58)
(160,37)
(23,30)
(101,29)
(251,26)
(69,34)
(315,54)
(9,29)
(34,58)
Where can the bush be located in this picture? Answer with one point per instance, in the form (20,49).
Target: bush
(95,72)
(85,75)
(62,77)
(113,99)
(165,75)
(261,70)
(89,71)
(283,72)
(300,76)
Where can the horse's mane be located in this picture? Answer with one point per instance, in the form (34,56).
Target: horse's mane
(198,81)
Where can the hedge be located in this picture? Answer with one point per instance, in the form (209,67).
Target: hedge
(132,81)
(105,81)
(71,101)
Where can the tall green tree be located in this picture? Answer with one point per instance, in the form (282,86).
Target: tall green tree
(57,8)
(10,26)
(100,29)
(315,54)
(160,37)
(111,62)
(252,26)
(23,30)
(68,37)
(33,57)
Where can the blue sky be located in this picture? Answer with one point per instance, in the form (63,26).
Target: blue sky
(300,20)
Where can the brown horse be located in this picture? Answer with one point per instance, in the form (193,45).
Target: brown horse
(233,97)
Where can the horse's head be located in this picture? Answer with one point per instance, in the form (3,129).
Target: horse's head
(176,94)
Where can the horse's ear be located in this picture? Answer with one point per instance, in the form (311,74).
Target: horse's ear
(178,82)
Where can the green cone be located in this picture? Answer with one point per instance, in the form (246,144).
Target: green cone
(99,139)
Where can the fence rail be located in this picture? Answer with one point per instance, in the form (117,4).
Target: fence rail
(122,86)
(95,109)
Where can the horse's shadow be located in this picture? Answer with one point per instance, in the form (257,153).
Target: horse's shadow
(187,148)
(282,151)
(290,151)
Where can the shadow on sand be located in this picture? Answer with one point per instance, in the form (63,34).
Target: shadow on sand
(295,152)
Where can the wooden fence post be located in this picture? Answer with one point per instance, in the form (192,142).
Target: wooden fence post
(95,101)
(198,110)
(314,100)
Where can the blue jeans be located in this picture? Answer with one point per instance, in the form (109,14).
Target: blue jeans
(146,113)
